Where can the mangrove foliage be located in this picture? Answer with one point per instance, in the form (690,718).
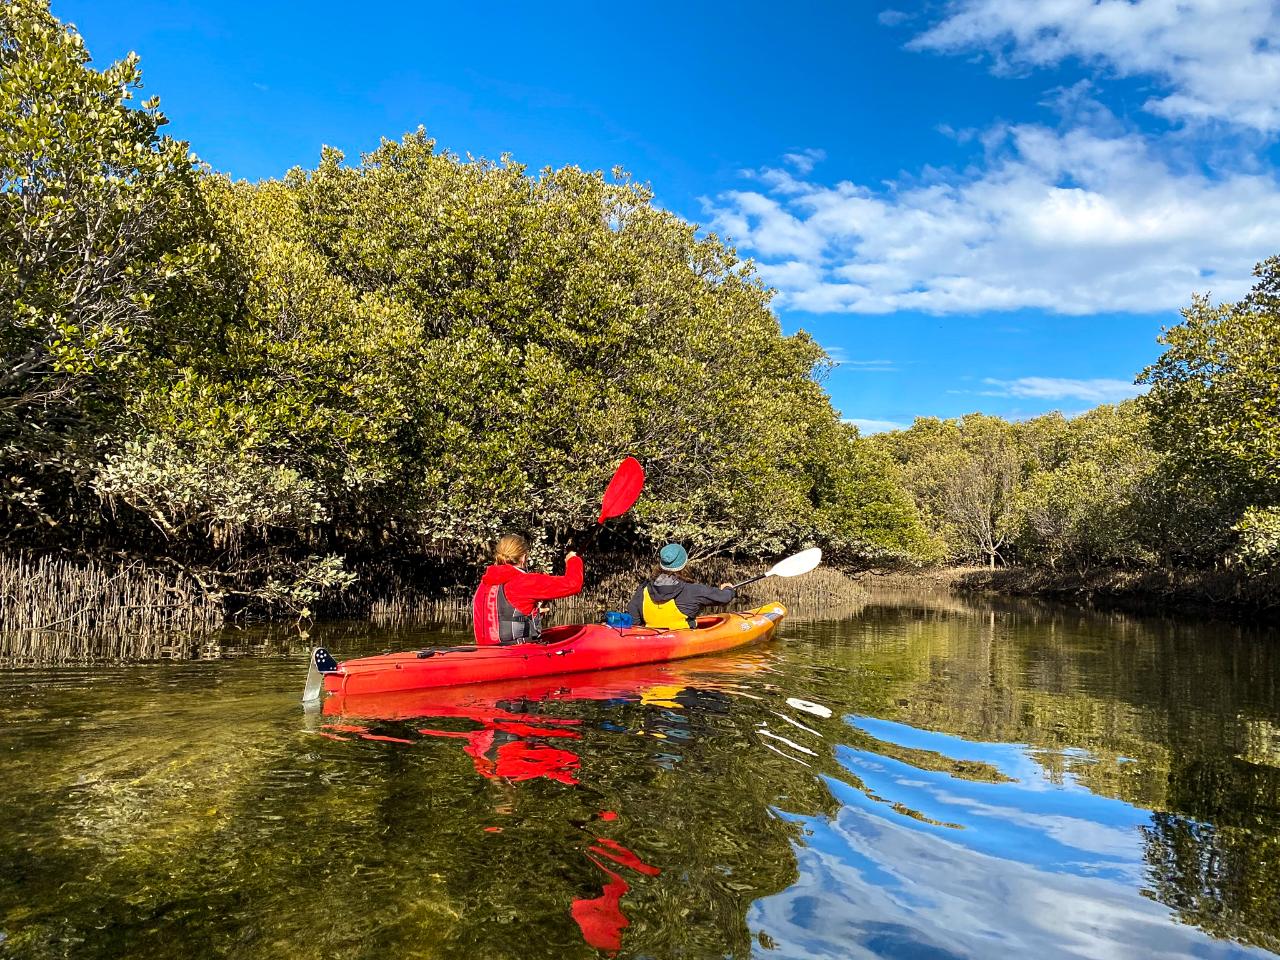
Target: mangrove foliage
(379,365)
(358,375)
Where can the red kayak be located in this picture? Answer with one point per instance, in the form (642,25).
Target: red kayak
(572,648)
(656,683)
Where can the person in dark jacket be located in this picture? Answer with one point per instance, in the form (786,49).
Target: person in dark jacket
(507,606)
(670,600)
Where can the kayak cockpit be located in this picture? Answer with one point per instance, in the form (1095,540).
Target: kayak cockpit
(561,634)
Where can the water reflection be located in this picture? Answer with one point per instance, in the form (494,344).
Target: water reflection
(511,734)
(931,778)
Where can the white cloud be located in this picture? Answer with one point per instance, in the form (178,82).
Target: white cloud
(1217,59)
(1073,222)
(876,426)
(1099,390)
(790,274)
(870,366)
(778,232)
(893,18)
(805,160)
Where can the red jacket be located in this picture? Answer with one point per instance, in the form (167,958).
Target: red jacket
(524,590)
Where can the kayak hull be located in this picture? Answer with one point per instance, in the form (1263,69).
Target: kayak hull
(573,648)
(651,683)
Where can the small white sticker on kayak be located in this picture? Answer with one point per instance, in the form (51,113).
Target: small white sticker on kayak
(808,706)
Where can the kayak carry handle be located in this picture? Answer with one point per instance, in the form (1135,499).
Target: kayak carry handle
(429,652)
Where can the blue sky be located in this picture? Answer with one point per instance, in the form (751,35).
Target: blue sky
(979,205)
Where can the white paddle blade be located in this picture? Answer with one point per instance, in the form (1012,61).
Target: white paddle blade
(799,563)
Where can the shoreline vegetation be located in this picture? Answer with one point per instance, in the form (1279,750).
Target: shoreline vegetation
(1216,594)
(56,611)
(327,394)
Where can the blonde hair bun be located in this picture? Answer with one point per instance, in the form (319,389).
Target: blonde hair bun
(510,549)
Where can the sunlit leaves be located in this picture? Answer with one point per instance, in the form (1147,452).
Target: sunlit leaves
(388,358)
(106,253)
(1215,405)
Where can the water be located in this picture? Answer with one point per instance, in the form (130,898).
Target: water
(927,779)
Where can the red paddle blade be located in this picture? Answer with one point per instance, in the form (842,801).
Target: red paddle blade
(623,490)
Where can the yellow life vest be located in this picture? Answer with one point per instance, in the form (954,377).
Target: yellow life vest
(663,616)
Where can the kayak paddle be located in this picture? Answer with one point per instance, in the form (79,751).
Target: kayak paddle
(793,566)
(623,490)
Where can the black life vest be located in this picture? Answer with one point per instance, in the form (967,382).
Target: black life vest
(499,622)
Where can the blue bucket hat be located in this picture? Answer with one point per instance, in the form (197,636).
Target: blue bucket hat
(672,557)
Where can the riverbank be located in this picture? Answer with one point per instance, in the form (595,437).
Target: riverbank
(47,597)
(1230,593)
(42,597)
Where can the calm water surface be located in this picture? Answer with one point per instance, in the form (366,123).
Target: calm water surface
(927,778)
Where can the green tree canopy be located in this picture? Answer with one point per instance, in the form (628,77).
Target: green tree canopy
(106,254)
(1215,410)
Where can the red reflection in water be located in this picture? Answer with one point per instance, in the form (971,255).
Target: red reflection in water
(529,730)
(621,855)
(486,702)
(457,734)
(601,918)
(505,747)
(523,761)
(478,744)
(489,705)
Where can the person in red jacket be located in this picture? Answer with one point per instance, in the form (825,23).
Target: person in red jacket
(507,604)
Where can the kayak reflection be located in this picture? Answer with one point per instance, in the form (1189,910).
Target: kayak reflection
(512,716)
(601,918)
(512,733)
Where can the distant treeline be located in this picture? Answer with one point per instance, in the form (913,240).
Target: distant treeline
(1187,476)
(372,369)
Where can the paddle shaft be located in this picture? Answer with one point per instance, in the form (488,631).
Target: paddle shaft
(739,586)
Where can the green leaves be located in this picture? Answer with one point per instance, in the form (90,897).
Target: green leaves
(1259,531)
(104,242)
(1215,402)
(1046,491)
(383,360)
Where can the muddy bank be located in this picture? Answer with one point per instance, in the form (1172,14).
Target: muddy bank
(1231,593)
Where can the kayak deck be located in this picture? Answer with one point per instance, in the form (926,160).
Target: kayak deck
(572,648)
